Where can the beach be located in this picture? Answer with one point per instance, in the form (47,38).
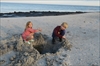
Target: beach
(83,34)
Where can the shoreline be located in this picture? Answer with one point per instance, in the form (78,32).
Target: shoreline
(37,13)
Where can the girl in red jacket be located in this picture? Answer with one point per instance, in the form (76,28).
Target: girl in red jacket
(28,33)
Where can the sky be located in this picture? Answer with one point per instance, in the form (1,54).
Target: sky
(61,2)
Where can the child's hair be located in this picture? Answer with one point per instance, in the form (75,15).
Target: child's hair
(64,24)
(27,24)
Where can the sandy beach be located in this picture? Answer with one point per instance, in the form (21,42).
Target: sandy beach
(83,34)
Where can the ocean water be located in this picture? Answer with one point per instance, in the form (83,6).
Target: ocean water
(24,7)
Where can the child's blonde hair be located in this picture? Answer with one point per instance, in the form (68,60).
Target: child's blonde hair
(64,24)
(27,24)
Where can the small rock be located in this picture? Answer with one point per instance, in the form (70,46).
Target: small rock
(14,56)
(64,55)
(84,32)
(92,54)
(26,54)
(68,31)
(80,59)
(61,58)
(11,59)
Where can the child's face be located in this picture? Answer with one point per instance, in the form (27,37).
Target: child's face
(63,28)
(30,25)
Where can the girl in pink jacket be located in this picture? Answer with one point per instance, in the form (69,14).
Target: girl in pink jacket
(28,33)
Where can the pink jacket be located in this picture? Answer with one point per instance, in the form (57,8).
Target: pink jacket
(27,32)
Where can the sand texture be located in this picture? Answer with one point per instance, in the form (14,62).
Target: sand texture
(81,47)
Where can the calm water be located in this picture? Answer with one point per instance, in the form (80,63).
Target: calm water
(11,7)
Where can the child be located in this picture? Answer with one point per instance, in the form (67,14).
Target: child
(28,33)
(59,32)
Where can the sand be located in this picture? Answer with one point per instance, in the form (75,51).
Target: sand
(82,34)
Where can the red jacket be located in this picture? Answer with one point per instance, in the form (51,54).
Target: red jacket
(27,32)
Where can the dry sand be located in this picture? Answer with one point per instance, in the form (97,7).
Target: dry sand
(83,34)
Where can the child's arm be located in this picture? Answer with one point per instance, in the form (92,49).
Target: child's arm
(34,30)
(37,30)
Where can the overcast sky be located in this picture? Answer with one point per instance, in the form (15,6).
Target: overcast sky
(64,2)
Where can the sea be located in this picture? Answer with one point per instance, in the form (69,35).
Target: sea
(6,7)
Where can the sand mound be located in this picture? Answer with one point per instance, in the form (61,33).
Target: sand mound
(29,55)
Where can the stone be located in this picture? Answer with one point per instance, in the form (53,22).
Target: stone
(26,54)
(11,59)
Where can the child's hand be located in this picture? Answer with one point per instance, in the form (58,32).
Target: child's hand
(39,29)
(64,37)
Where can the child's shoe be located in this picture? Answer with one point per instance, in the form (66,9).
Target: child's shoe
(31,40)
(27,42)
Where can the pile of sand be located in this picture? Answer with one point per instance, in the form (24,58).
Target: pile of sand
(31,54)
